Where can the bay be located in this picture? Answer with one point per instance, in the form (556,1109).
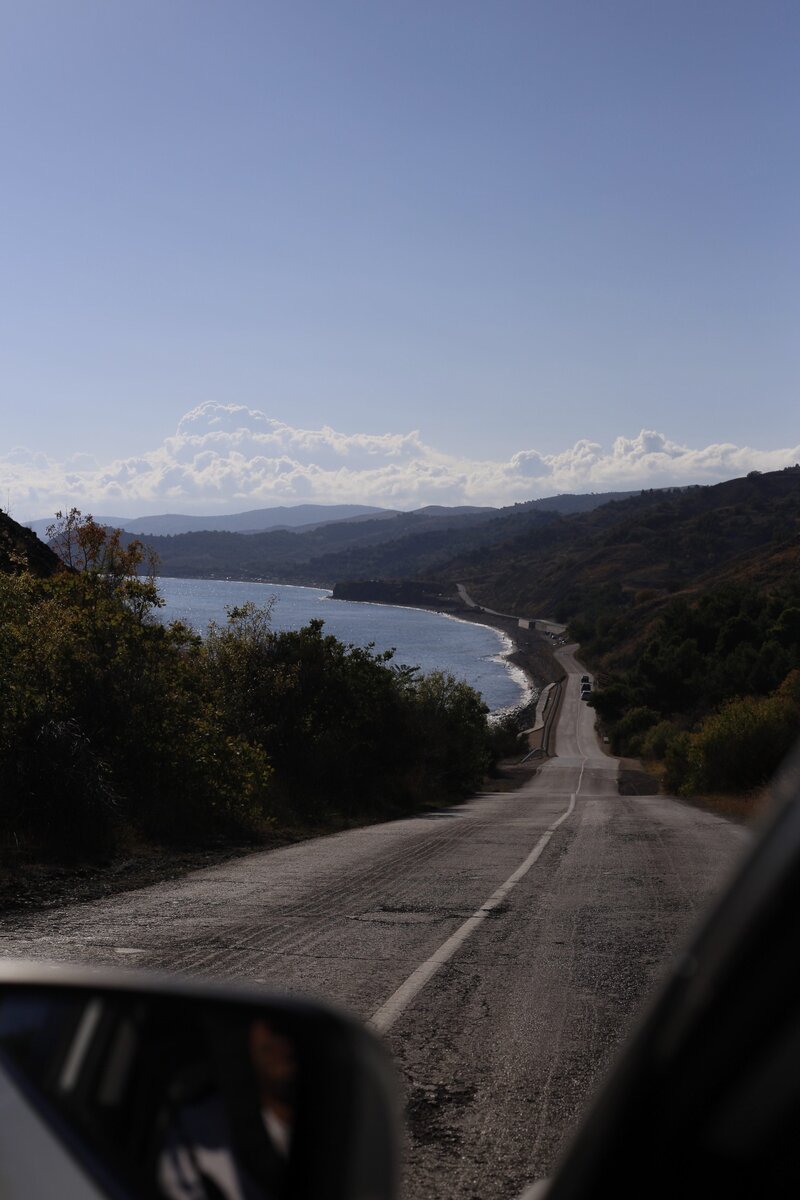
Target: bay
(428,640)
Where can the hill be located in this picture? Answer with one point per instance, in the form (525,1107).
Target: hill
(577,502)
(687,606)
(22,550)
(399,544)
(253,521)
(653,545)
(311,516)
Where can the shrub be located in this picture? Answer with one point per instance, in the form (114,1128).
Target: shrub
(625,733)
(504,737)
(740,746)
(111,721)
(657,740)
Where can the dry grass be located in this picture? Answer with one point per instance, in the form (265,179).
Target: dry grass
(744,808)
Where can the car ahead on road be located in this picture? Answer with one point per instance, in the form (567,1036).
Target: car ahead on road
(126,1086)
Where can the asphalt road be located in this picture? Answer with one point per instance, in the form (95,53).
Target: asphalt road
(503,947)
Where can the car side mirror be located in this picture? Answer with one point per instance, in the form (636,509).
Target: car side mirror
(136,1086)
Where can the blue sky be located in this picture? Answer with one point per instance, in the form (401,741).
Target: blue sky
(522,232)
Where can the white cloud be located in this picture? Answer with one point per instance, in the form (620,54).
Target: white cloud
(228,457)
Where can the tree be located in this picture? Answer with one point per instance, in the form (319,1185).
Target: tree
(740,746)
(786,629)
(99,556)
(453,733)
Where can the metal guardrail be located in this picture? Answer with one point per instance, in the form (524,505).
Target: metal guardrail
(551,715)
(552,706)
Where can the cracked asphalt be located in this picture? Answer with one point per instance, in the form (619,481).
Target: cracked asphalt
(501,1048)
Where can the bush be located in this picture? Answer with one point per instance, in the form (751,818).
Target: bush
(59,792)
(345,730)
(450,731)
(110,721)
(504,737)
(105,725)
(656,742)
(626,733)
(741,746)
(676,762)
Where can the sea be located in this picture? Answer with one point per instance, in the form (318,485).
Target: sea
(428,640)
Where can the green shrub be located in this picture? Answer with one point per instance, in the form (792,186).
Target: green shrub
(657,740)
(626,732)
(504,737)
(111,721)
(740,746)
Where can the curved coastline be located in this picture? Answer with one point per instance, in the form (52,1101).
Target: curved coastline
(529,686)
(531,652)
(498,651)
(528,653)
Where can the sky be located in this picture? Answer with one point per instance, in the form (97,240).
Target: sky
(443,251)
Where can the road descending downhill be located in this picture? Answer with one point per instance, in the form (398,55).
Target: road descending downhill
(502,947)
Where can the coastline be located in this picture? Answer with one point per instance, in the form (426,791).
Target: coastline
(532,652)
(528,660)
(520,663)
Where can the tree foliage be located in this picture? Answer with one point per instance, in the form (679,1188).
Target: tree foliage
(112,722)
(710,693)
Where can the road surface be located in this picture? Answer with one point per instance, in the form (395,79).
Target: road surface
(503,947)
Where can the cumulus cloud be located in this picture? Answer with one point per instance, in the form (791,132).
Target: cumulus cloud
(227,457)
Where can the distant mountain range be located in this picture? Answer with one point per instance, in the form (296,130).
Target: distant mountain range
(254,521)
(368,545)
(311,516)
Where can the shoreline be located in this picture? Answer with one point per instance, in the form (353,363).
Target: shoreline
(526,653)
(531,687)
(532,653)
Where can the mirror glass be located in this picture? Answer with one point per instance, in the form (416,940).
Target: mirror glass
(169,1096)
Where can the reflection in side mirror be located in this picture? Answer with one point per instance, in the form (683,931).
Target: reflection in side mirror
(179,1092)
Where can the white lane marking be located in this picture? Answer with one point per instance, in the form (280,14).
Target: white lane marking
(388,1013)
